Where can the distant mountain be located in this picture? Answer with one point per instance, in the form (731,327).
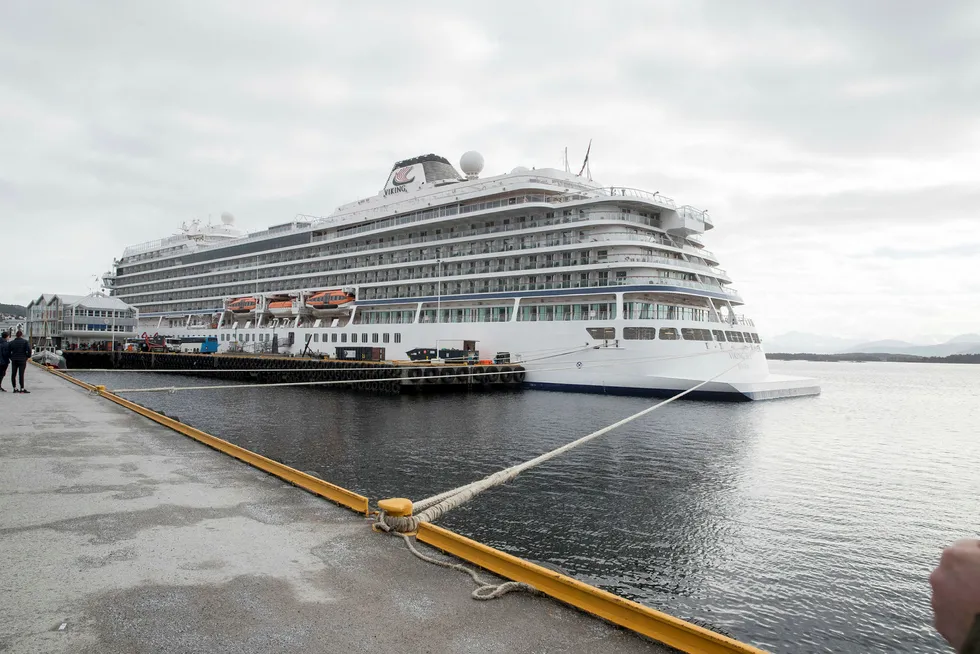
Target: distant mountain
(880,346)
(13,310)
(794,342)
(801,342)
(959,345)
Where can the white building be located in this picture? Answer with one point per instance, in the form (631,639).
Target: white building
(63,321)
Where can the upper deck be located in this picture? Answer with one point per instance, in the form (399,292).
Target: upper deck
(420,203)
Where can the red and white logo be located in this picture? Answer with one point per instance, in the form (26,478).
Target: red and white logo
(401,176)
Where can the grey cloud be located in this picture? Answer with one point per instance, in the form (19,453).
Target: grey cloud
(859,209)
(119,120)
(964,250)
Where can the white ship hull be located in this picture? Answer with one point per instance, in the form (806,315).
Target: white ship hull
(557,355)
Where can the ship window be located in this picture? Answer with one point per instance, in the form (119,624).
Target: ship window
(747,336)
(755,338)
(668,334)
(398,338)
(364,338)
(602,333)
(333,338)
(734,337)
(353,337)
(374,338)
(719,335)
(386,338)
(639,333)
(343,338)
(692,334)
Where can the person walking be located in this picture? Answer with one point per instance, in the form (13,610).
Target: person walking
(18,351)
(4,360)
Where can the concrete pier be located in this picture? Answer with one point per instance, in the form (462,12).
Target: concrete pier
(120,535)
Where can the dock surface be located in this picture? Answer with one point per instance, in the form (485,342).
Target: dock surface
(120,535)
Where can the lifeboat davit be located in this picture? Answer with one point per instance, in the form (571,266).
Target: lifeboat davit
(330,303)
(243,305)
(281,307)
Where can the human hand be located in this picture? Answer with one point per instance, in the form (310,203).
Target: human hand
(956,590)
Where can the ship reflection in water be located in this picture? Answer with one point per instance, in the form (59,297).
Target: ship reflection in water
(805,525)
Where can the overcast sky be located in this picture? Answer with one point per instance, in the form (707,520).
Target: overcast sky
(836,143)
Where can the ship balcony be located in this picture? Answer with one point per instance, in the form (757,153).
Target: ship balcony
(685,221)
(726,291)
(678,263)
(704,253)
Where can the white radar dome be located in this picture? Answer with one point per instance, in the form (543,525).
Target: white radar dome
(227,218)
(471,163)
(520,169)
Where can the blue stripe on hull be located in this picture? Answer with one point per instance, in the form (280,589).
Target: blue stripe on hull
(712,396)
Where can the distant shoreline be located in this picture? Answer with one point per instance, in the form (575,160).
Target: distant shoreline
(859,357)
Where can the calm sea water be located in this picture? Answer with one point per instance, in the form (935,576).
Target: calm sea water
(806,525)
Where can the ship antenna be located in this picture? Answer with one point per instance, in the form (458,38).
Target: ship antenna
(567,170)
(585,163)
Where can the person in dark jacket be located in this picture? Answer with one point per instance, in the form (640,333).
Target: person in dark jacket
(18,351)
(4,360)
(956,596)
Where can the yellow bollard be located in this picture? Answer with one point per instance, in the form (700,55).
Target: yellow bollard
(396,507)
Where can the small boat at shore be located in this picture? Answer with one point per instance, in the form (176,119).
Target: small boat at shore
(50,359)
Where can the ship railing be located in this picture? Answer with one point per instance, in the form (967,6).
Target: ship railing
(518,248)
(277,268)
(644,258)
(618,236)
(496,229)
(475,206)
(692,213)
(454,210)
(739,319)
(377,293)
(625,191)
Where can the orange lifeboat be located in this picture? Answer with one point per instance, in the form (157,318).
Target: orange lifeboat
(326,300)
(281,307)
(243,305)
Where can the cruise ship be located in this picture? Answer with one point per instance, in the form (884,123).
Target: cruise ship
(591,288)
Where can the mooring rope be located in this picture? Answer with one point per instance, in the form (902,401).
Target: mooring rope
(485,590)
(433,507)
